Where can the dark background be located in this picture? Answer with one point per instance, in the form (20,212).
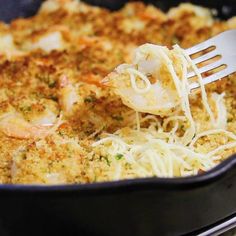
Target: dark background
(10,9)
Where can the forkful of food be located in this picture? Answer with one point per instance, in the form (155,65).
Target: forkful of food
(159,79)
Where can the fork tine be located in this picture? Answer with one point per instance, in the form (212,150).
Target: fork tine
(206,68)
(217,76)
(199,47)
(205,57)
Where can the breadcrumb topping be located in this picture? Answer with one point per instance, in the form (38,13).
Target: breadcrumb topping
(52,67)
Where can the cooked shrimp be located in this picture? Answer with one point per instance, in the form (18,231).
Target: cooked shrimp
(147,84)
(47,41)
(8,47)
(39,111)
(69,6)
(15,126)
(68,95)
(93,79)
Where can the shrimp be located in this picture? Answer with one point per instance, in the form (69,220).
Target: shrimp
(15,126)
(8,47)
(52,6)
(147,85)
(93,79)
(47,41)
(67,95)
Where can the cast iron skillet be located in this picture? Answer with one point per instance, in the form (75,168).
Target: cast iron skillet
(140,207)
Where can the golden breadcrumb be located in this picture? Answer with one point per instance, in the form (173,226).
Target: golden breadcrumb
(51,71)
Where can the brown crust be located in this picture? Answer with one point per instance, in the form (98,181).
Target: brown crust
(96,41)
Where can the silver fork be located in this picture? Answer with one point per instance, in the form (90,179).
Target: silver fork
(225,47)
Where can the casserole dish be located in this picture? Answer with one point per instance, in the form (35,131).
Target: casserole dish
(133,207)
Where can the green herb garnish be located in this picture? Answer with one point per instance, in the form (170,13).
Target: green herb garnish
(46,78)
(117,117)
(118,156)
(25,109)
(107,160)
(89,99)
(175,40)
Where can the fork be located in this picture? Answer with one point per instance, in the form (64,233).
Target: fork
(224,48)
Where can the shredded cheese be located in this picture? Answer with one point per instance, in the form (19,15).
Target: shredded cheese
(210,132)
(202,87)
(221,120)
(138,121)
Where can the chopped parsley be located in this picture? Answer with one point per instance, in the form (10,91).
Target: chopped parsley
(46,78)
(107,160)
(89,99)
(25,109)
(118,156)
(117,117)
(175,40)
(60,133)
(54,98)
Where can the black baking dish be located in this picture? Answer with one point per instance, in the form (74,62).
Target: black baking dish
(140,207)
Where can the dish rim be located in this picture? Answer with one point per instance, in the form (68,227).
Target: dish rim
(180,183)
